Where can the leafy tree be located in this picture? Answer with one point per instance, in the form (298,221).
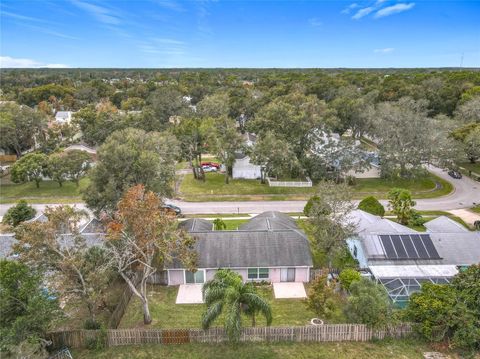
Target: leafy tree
(225,142)
(372,205)
(274,155)
(141,235)
(219,224)
(348,276)
(19,213)
(467,285)
(164,103)
(322,298)
(27,310)
(469,111)
(329,223)
(31,167)
(19,127)
(227,293)
(401,203)
(472,145)
(133,103)
(78,272)
(33,96)
(130,157)
(77,164)
(214,106)
(57,168)
(403,149)
(194,133)
(368,303)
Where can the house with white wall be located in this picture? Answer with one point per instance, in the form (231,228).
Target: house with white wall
(243,167)
(270,247)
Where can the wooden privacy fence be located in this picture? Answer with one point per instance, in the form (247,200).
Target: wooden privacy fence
(320,333)
(122,305)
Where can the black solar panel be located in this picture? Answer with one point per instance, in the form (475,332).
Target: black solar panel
(412,246)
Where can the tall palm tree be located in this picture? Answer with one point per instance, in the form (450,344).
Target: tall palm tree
(227,293)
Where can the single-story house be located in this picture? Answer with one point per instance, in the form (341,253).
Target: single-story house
(270,247)
(242,167)
(401,259)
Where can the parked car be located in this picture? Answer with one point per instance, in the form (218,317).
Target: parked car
(209,169)
(211,164)
(455,174)
(170,208)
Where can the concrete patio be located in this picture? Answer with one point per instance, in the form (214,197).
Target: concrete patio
(289,290)
(189,294)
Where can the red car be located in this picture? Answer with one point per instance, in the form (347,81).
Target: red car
(211,164)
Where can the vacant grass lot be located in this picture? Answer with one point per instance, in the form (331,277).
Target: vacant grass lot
(49,192)
(167,314)
(215,189)
(404,349)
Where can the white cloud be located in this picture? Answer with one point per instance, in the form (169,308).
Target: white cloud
(102,14)
(170,5)
(9,62)
(394,9)
(315,22)
(384,51)
(362,12)
(349,8)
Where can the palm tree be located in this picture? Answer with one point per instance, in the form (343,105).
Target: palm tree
(227,292)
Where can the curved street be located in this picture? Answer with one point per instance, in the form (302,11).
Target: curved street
(465,195)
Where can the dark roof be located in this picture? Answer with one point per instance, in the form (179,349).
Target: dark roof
(234,249)
(196,225)
(271,220)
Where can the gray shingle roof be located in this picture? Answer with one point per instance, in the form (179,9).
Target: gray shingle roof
(271,220)
(457,248)
(93,226)
(196,225)
(234,249)
(444,224)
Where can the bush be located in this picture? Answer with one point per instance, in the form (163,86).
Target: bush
(416,219)
(91,324)
(322,299)
(348,276)
(98,342)
(19,213)
(371,205)
(315,202)
(219,224)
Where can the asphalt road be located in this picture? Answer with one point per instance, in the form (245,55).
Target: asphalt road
(465,195)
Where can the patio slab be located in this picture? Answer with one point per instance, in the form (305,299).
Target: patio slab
(289,290)
(189,294)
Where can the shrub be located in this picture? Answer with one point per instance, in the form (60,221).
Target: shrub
(416,219)
(316,203)
(371,205)
(348,276)
(91,324)
(19,213)
(219,224)
(322,298)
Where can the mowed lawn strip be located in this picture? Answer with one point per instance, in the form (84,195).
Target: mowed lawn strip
(49,192)
(167,314)
(405,349)
(215,189)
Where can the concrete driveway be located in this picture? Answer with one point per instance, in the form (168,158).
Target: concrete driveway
(289,290)
(189,294)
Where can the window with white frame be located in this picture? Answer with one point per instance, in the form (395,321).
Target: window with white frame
(258,273)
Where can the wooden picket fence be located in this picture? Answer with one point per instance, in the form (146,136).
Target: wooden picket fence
(320,333)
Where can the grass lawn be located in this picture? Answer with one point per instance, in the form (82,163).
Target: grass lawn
(49,192)
(475,209)
(215,189)
(218,215)
(405,349)
(167,314)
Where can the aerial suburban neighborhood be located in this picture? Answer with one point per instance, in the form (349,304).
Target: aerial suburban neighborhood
(211,180)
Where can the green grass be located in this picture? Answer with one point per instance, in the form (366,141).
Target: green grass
(233,224)
(475,209)
(215,189)
(49,192)
(217,215)
(404,349)
(167,314)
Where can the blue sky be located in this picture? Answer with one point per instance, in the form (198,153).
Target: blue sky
(173,33)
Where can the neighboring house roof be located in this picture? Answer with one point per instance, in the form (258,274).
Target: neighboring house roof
(444,224)
(63,115)
(39,218)
(367,223)
(413,271)
(7,241)
(461,249)
(270,239)
(93,226)
(271,220)
(240,249)
(81,147)
(196,224)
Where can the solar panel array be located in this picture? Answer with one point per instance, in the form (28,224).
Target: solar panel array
(409,246)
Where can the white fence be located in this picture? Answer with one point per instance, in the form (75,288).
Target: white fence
(275,183)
